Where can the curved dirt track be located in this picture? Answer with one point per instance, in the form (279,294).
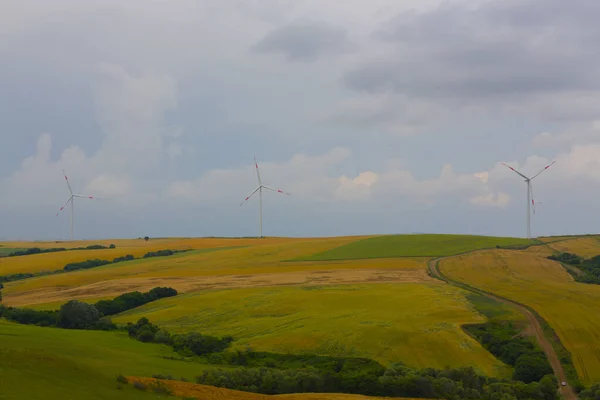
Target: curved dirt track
(534,327)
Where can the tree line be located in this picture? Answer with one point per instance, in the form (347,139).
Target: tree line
(37,250)
(396,381)
(87,264)
(78,315)
(589,268)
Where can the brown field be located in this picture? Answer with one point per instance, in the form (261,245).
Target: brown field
(571,308)
(53,297)
(203,392)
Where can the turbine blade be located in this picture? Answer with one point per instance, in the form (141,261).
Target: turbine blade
(250,195)
(508,166)
(532,199)
(545,168)
(276,190)
(67,180)
(257,171)
(64,204)
(86,197)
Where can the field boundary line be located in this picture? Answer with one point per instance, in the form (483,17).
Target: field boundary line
(537,322)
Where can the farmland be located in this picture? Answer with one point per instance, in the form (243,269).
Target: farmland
(383,322)
(357,296)
(412,246)
(571,308)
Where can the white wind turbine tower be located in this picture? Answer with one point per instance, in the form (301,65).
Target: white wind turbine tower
(259,189)
(530,200)
(71,199)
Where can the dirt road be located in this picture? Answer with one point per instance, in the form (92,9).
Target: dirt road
(534,327)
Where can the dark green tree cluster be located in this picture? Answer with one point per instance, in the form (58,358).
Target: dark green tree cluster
(92,247)
(396,381)
(589,267)
(130,300)
(15,277)
(85,265)
(159,253)
(593,393)
(507,344)
(127,257)
(189,344)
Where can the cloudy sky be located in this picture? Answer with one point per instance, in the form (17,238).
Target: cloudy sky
(383,116)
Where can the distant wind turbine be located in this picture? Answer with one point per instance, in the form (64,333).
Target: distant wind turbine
(71,199)
(259,190)
(530,200)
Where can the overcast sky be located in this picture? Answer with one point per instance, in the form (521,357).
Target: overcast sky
(384,116)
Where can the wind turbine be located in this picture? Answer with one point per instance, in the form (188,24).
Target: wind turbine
(71,199)
(530,199)
(259,189)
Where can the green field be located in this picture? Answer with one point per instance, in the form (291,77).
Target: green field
(413,246)
(418,324)
(49,363)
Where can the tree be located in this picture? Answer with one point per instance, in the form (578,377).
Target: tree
(531,368)
(146,238)
(77,315)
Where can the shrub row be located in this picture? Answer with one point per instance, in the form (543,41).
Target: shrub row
(87,264)
(396,381)
(37,250)
(189,344)
(78,315)
(130,300)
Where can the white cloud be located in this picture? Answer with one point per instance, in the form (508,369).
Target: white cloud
(498,200)
(130,112)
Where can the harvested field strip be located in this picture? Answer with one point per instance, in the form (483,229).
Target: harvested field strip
(384,322)
(108,289)
(203,392)
(412,246)
(569,307)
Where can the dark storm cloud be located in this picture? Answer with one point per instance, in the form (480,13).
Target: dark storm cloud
(304,41)
(498,49)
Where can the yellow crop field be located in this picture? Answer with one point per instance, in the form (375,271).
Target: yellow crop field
(571,308)
(385,322)
(137,248)
(203,392)
(586,247)
(197,270)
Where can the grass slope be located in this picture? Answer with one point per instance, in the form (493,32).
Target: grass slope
(570,308)
(47,364)
(418,324)
(412,246)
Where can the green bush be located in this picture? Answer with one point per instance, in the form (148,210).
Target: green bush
(122,379)
(77,315)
